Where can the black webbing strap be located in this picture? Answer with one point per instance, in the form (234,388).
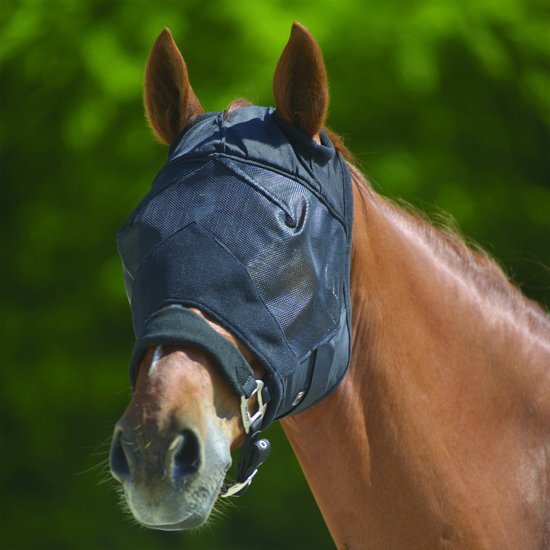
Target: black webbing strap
(178,326)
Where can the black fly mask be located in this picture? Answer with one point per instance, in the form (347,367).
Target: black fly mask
(250,222)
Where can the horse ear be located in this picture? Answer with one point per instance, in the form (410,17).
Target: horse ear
(300,82)
(170,102)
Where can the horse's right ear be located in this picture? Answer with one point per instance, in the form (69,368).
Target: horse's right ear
(300,83)
(170,103)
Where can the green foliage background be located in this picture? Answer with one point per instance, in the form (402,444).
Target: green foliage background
(445,103)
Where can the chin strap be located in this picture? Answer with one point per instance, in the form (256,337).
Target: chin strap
(254,451)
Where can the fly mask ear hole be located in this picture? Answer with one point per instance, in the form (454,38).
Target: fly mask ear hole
(170,103)
(300,83)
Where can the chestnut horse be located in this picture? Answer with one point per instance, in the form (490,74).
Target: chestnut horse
(439,435)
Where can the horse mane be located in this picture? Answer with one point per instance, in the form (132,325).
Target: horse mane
(444,237)
(466,256)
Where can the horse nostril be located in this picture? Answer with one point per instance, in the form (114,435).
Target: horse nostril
(118,459)
(184,451)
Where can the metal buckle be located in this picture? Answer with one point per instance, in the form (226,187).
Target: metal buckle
(249,419)
(231,490)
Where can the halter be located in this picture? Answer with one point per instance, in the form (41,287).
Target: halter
(250,222)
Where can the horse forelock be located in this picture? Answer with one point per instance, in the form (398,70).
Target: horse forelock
(237,104)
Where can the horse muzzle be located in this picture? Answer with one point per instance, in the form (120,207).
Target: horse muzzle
(167,482)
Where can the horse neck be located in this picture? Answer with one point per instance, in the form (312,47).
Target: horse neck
(384,452)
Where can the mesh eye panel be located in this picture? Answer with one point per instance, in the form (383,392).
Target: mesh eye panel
(272,224)
(298,279)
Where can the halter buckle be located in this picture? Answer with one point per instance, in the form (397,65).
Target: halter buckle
(247,417)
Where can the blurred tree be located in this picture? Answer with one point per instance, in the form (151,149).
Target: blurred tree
(446,104)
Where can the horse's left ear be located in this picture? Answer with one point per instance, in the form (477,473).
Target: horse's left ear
(300,83)
(170,103)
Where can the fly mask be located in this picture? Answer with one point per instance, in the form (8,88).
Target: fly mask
(250,222)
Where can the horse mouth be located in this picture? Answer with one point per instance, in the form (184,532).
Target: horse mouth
(171,516)
(194,520)
(165,507)
(173,510)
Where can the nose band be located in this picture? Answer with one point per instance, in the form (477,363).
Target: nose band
(177,326)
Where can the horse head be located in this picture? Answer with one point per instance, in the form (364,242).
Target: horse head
(172,447)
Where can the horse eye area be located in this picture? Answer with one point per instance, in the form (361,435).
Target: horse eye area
(186,454)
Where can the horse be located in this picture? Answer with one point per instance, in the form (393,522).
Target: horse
(439,433)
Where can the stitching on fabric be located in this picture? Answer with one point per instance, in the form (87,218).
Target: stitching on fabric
(322,198)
